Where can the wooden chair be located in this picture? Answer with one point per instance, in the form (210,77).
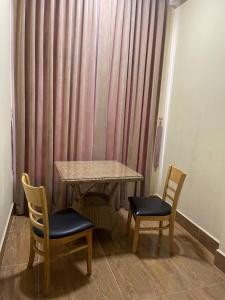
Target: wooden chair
(155,208)
(58,229)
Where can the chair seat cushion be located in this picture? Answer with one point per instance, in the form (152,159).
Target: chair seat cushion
(65,223)
(149,206)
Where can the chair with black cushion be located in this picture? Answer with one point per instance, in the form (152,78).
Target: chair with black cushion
(155,208)
(58,229)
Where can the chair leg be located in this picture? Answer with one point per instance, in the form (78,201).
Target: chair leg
(171,234)
(46,271)
(159,237)
(32,252)
(89,253)
(129,220)
(136,235)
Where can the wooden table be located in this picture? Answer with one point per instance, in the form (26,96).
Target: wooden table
(111,173)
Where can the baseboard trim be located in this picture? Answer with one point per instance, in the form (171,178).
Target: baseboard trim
(6,233)
(220,260)
(202,236)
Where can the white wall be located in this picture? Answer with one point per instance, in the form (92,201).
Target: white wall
(166,89)
(5,116)
(195,139)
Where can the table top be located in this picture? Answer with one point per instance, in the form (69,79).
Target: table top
(95,171)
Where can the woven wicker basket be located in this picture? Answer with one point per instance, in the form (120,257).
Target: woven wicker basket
(98,207)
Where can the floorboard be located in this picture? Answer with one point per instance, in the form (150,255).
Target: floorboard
(117,273)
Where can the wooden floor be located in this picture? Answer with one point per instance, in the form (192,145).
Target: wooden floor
(117,273)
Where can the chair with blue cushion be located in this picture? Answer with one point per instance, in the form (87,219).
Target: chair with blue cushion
(155,208)
(61,228)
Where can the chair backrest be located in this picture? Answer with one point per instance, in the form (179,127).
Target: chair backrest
(37,205)
(173,185)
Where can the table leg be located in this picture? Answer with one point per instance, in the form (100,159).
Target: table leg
(135,189)
(79,195)
(113,189)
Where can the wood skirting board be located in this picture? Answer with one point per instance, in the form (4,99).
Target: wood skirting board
(205,239)
(2,250)
(220,260)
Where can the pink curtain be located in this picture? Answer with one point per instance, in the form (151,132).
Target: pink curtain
(158,144)
(86,84)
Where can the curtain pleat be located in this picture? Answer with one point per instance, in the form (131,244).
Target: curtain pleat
(19,101)
(102,77)
(48,88)
(86,86)
(39,92)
